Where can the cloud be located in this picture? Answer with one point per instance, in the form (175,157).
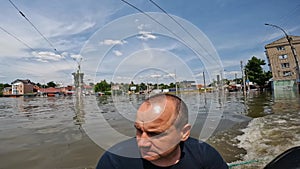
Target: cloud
(112,42)
(141,26)
(76,56)
(74,28)
(155,76)
(47,56)
(117,53)
(169,75)
(146,35)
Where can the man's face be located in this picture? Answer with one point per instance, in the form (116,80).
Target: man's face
(155,131)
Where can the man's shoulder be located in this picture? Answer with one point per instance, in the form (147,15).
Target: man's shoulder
(127,148)
(204,153)
(122,154)
(196,143)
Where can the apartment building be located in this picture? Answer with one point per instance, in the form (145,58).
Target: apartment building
(282,62)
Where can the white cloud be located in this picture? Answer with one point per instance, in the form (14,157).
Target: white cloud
(47,56)
(74,28)
(155,76)
(146,35)
(76,57)
(112,42)
(172,75)
(117,53)
(141,26)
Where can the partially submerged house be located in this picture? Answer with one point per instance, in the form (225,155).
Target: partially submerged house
(21,87)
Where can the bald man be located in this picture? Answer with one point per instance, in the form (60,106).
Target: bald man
(162,140)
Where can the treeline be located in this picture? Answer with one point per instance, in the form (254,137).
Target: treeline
(104,86)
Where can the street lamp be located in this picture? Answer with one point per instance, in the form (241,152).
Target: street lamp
(289,39)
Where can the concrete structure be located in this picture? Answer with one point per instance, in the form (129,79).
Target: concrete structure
(282,62)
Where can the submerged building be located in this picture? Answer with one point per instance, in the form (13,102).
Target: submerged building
(282,62)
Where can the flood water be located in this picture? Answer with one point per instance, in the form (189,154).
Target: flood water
(67,133)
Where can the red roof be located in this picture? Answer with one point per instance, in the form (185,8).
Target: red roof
(50,90)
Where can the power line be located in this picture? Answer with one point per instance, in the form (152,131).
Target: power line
(164,27)
(23,15)
(17,38)
(182,27)
(25,44)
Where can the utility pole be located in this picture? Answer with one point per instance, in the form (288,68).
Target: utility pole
(243,77)
(289,39)
(204,81)
(176,88)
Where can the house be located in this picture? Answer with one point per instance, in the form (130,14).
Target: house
(187,85)
(22,87)
(88,90)
(282,62)
(50,92)
(7,91)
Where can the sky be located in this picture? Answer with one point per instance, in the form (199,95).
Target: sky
(112,40)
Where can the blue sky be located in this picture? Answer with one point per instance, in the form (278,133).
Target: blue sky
(118,43)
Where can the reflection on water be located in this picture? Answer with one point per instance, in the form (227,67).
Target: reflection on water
(40,133)
(56,132)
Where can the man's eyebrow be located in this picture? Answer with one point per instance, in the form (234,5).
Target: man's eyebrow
(136,125)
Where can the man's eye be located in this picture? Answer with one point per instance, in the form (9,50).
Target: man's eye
(138,130)
(152,134)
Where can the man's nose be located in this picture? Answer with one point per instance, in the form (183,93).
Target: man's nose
(144,140)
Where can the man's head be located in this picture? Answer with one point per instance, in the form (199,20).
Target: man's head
(161,123)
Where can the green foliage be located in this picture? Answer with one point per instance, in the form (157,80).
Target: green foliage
(143,86)
(255,73)
(38,84)
(51,84)
(163,86)
(2,86)
(1,89)
(172,85)
(103,86)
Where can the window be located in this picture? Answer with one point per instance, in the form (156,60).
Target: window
(283,56)
(280,48)
(285,65)
(287,73)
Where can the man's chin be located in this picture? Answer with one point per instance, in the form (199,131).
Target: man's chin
(150,156)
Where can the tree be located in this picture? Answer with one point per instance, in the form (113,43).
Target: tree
(255,73)
(172,85)
(143,86)
(51,84)
(102,86)
(2,86)
(39,85)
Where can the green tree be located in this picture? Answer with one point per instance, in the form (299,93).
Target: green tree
(51,84)
(172,85)
(2,86)
(143,86)
(255,73)
(39,85)
(103,86)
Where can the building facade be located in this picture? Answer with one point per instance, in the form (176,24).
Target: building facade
(282,62)
(21,87)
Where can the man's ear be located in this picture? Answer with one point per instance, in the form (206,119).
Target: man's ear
(185,132)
